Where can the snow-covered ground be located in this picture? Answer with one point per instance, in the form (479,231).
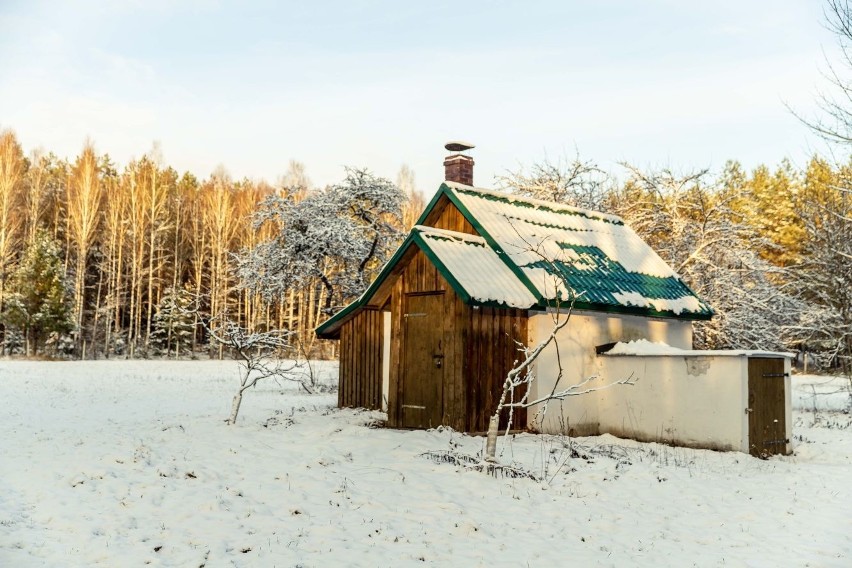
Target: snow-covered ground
(131,464)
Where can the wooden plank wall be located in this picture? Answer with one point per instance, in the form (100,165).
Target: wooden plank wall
(420,276)
(490,353)
(767,431)
(360,383)
(479,351)
(451,219)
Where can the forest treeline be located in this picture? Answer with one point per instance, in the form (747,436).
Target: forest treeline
(142,255)
(131,262)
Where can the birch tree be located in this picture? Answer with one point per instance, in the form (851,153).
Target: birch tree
(85,193)
(414,203)
(12,169)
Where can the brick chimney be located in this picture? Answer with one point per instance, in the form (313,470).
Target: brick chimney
(458,167)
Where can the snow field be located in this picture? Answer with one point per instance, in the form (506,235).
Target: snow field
(122,463)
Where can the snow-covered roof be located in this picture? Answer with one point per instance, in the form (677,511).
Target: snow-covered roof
(645,348)
(527,250)
(596,254)
(476,268)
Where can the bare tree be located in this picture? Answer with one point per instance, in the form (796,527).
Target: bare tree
(835,103)
(573,181)
(259,355)
(521,376)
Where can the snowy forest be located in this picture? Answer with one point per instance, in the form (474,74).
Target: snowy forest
(101,262)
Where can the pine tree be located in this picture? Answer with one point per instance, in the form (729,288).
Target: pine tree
(174,322)
(38,304)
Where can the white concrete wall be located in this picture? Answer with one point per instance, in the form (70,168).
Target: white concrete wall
(689,401)
(576,347)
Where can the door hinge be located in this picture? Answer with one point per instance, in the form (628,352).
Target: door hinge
(415,315)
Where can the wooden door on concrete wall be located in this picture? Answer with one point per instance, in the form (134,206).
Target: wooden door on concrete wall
(767,427)
(423,360)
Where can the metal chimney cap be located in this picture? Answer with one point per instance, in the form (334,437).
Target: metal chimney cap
(458,146)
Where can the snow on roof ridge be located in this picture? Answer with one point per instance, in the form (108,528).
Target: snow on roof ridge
(455,235)
(532,201)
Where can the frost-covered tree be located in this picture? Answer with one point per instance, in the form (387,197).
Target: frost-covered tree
(38,303)
(824,276)
(573,181)
(174,321)
(700,225)
(689,221)
(337,236)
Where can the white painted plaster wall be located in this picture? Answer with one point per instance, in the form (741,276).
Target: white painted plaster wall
(694,400)
(576,347)
(691,401)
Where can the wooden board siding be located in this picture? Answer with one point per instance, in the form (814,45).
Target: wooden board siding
(478,350)
(419,277)
(422,392)
(490,353)
(767,428)
(360,383)
(446,216)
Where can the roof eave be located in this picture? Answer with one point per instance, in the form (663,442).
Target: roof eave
(627,310)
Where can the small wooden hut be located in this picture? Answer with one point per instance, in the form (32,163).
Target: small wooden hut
(435,334)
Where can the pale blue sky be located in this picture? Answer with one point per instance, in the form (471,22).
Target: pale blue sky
(251,85)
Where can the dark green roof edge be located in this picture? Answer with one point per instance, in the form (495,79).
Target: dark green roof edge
(443,190)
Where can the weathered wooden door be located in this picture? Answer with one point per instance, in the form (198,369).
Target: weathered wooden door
(423,360)
(767,428)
